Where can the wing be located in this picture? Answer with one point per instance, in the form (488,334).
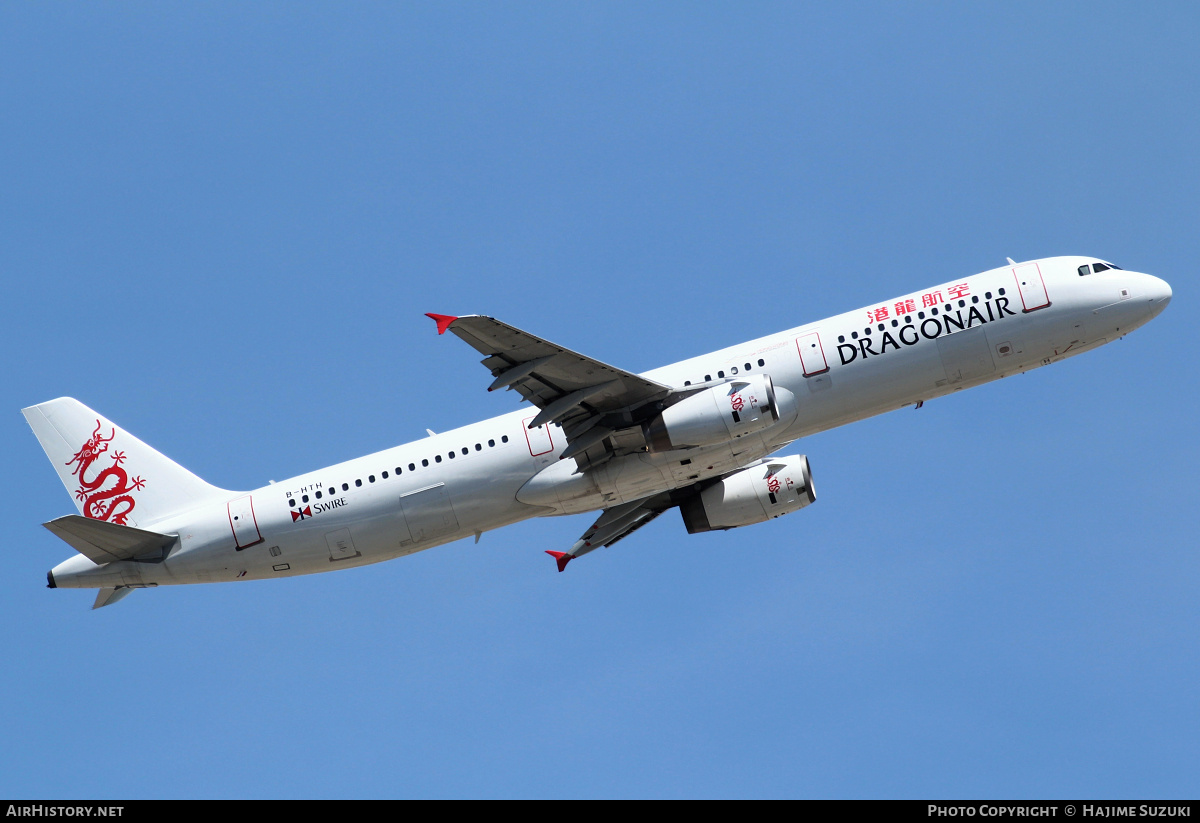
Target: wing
(621,521)
(592,401)
(615,524)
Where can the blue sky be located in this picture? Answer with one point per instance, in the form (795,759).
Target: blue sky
(221,227)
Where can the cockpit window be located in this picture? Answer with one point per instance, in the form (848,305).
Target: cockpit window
(1085,270)
(1099,267)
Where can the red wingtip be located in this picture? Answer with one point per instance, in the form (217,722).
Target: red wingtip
(561,558)
(443,321)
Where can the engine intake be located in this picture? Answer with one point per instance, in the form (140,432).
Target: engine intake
(772,488)
(720,414)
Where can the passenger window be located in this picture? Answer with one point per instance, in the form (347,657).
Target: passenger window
(707,378)
(412,467)
(345,487)
(317,495)
(358,482)
(370,478)
(450,455)
(748,367)
(425,462)
(733,370)
(687,382)
(762,362)
(478,447)
(437,458)
(491,443)
(465,450)
(398,471)
(504,438)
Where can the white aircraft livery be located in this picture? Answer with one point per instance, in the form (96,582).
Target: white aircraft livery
(700,435)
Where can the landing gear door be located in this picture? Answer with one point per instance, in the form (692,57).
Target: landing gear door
(1031,286)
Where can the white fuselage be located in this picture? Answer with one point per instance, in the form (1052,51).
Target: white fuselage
(490,474)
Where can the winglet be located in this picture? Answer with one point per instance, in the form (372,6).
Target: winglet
(561,558)
(443,321)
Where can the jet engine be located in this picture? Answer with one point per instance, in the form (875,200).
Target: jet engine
(720,414)
(774,487)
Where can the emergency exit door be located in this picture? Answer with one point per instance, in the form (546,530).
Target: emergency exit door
(539,439)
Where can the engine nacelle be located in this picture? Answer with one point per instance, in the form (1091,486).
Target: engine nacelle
(720,414)
(755,494)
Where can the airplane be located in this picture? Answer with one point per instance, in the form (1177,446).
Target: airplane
(701,435)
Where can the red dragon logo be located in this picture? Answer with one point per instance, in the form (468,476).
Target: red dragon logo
(105,496)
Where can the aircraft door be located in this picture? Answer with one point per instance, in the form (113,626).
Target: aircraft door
(243,522)
(539,439)
(812,354)
(541,444)
(1032,287)
(429,512)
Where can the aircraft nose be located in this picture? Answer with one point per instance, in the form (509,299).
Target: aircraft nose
(1154,294)
(1160,290)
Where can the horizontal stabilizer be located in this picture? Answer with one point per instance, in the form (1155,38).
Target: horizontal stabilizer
(106,597)
(103,542)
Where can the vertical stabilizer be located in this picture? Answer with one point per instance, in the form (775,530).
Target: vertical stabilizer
(110,474)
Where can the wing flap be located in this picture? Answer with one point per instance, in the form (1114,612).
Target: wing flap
(103,542)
